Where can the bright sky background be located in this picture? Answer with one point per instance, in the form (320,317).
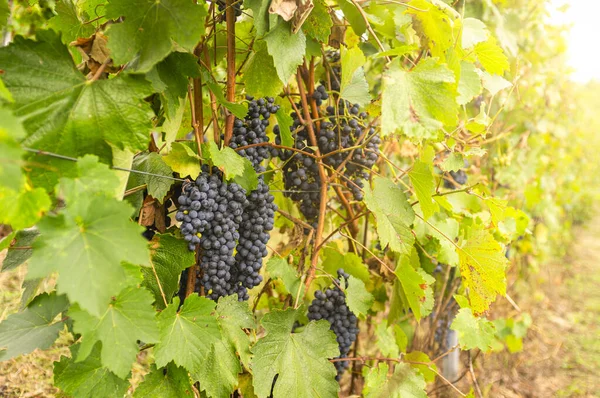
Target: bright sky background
(583,55)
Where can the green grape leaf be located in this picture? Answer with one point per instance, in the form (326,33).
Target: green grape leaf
(233,316)
(183,160)
(492,57)
(4,13)
(428,302)
(318,24)
(469,85)
(453,162)
(152,162)
(187,336)
(69,21)
(386,341)
(218,375)
(170,77)
(87,379)
(66,114)
(7,240)
(249,178)
(482,267)
(151,30)
(353,16)
(354,86)
(494,83)
(239,110)
(279,268)
(405,382)
(286,48)
(418,102)
(168,382)
(24,209)
(93,179)
(394,214)
(169,257)
(358,299)
(259,72)
(421,177)
(333,260)
(34,327)
(11,130)
(227,160)
(20,250)
(260,12)
(428,371)
(413,285)
(86,245)
(473,332)
(435,24)
(473,31)
(445,230)
(285,121)
(300,359)
(129,317)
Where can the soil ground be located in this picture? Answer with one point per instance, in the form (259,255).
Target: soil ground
(560,357)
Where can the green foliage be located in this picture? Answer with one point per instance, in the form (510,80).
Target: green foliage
(473,332)
(168,382)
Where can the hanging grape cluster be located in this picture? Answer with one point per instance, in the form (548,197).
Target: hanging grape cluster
(330,305)
(344,127)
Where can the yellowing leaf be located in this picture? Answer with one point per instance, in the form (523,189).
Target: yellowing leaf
(183,160)
(492,57)
(482,266)
(434,23)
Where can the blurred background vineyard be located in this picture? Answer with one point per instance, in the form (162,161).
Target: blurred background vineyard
(543,153)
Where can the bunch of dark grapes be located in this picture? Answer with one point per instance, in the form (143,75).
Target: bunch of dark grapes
(211,212)
(253,129)
(330,304)
(460,177)
(237,6)
(257,221)
(335,76)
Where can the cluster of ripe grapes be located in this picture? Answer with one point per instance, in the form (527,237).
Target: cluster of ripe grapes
(219,218)
(345,140)
(330,304)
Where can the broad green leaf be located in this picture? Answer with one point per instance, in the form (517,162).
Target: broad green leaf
(473,31)
(34,327)
(226,159)
(286,48)
(394,214)
(419,102)
(386,341)
(404,383)
(428,371)
(249,178)
(354,86)
(151,29)
(20,250)
(482,267)
(429,301)
(24,209)
(187,336)
(64,113)
(87,379)
(435,25)
(494,83)
(4,13)
(168,382)
(260,12)
(69,21)
(218,375)
(170,77)
(358,299)
(318,24)
(233,316)
(153,163)
(445,230)
(285,121)
(469,85)
(421,177)
(279,268)
(353,16)
(473,332)
(93,179)
(86,245)
(300,359)
(183,160)
(333,260)
(129,317)
(413,285)
(239,110)
(453,162)
(169,257)
(259,72)
(11,130)
(492,57)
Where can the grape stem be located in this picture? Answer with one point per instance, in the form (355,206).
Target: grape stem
(230,18)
